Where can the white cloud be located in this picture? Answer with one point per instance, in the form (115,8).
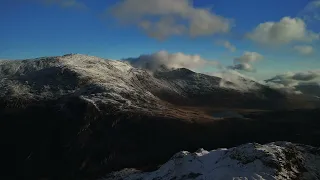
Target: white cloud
(286,83)
(306,76)
(289,81)
(283,88)
(239,81)
(249,57)
(242,67)
(243,62)
(285,31)
(311,13)
(227,45)
(174,60)
(283,80)
(170,17)
(304,49)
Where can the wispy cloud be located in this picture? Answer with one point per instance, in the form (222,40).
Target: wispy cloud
(239,81)
(304,49)
(244,62)
(311,13)
(242,67)
(227,45)
(170,17)
(292,79)
(63,3)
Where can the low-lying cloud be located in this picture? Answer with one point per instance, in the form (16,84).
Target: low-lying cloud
(153,62)
(306,76)
(285,31)
(286,83)
(290,81)
(238,81)
(170,60)
(242,67)
(299,76)
(283,79)
(163,18)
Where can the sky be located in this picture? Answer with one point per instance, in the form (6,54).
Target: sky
(257,38)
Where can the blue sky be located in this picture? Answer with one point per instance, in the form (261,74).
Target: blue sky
(33,28)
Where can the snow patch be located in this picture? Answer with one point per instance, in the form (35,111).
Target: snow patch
(280,160)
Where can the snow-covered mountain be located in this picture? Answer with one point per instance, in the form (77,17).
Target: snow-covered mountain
(252,161)
(92,78)
(80,117)
(118,83)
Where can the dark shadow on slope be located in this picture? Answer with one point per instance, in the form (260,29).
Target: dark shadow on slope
(70,139)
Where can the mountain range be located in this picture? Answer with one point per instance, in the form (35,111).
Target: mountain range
(81,117)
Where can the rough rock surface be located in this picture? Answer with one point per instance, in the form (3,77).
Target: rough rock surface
(273,161)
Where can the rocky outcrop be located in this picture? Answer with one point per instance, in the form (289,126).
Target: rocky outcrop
(277,161)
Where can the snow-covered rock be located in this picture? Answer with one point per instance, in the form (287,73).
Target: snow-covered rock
(273,161)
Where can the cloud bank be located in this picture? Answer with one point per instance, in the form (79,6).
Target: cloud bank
(290,81)
(163,18)
(285,31)
(286,83)
(298,76)
(175,60)
(239,81)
